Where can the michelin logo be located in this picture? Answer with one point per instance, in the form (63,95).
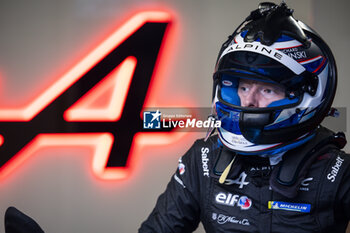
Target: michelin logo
(335,169)
(298,207)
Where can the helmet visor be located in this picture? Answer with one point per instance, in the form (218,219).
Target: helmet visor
(248,64)
(243,93)
(239,68)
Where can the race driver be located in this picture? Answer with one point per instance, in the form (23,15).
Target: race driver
(271,167)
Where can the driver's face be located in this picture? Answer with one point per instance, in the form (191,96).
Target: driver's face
(259,94)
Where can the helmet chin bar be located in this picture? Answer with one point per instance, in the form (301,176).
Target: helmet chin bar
(252,125)
(252,128)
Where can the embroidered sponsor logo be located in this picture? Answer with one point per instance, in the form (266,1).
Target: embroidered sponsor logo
(304,185)
(298,207)
(263,168)
(181,167)
(244,202)
(222,219)
(335,169)
(231,200)
(240,180)
(205,160)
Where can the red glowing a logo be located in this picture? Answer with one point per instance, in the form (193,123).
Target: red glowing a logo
(121,68)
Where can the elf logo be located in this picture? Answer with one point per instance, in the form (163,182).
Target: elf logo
(65,113)
(231,200)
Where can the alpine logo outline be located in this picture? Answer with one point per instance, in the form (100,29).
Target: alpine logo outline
(61,114)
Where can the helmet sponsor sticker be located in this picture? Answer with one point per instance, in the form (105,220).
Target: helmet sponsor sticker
(226,83)
(222,219)
(297,207)
(230,199)
(257,47)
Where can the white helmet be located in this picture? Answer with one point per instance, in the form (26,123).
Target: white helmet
(271,46)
